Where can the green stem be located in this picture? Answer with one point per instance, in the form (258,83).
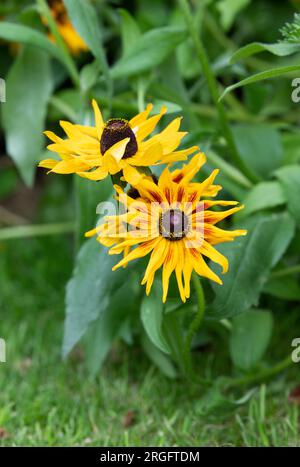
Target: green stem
(141,94)
(195,324)
(286,271)
(262,375)
(213,88)
(22,231)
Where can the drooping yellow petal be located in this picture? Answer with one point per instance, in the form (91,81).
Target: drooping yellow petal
(98,174)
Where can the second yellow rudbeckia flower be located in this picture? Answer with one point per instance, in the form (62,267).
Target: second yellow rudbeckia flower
(116,145)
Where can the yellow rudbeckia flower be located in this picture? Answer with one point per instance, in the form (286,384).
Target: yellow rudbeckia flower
(173,222)
(116,145)
(65,27)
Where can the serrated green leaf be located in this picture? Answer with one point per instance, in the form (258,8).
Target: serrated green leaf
(251,258)
(152,49)
(28,89)
(250,336)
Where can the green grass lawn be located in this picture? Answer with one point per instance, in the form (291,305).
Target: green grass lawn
(45,401)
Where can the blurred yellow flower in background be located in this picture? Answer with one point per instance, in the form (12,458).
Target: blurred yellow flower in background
(65,27)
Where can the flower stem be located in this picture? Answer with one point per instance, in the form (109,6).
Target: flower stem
(213,88)
(22,231)
(195,324)
(262,375)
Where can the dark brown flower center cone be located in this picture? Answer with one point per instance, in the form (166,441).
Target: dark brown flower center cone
(116,130)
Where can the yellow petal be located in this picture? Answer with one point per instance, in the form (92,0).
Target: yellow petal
(145,128)
(140,118)
(97,174)
(132,176)
(118,149)
(98,119)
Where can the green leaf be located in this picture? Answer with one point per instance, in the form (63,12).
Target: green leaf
(152,314)
(89,75)
(90,292)
(251,258)
(251,139)
(18,33)
(264,195)
(28,88)
(88,196)
(281,49)
(268,74)
(229,9)
(130,31)
(158,358)
(289,178)
(214,402)
(250,336)
(291,145)
(291,31)
(152,49)
(108,326)
(85,20)
(285,288)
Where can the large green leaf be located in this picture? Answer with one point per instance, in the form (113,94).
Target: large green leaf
(152,314)
(107,327)
(85,20)
(268,74)
(130,32)
(25,35)
(251,258)
(152,48)
(264,195)
(28,88)
(286,288)
(289,178)
(251,139)
(280,49)
(91,291)
(250,336)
